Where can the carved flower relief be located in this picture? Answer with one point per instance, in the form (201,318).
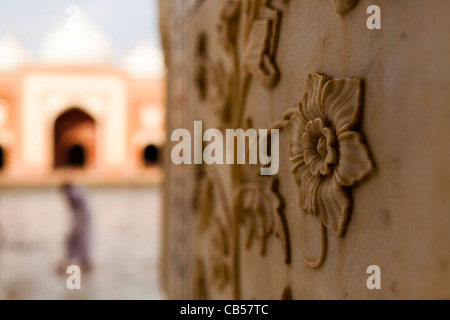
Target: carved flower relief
(260,49)
(328,156)
(260,209)
(343,6)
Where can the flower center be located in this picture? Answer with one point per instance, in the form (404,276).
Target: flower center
(319,149)
(322,147)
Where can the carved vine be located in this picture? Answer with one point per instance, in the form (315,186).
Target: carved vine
(328,154)
(209,203)
(223,85)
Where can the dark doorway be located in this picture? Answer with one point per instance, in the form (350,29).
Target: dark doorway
(77,156)
(74,139)
(2,158)
(150,155)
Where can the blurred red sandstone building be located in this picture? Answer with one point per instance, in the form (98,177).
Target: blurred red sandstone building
(75,113)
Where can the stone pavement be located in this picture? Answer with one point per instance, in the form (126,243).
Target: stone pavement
(35,223)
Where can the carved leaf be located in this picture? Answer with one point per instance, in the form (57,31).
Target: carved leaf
(261,210)
(257,45)
(261,46)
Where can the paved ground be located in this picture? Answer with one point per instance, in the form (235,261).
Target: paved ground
(35,223)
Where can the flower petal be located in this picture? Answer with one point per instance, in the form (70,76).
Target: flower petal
(331,156)
(311,129)
(310,107)
(333,205)
(354,160)
(318,125)
(329,134)
(308,191)
(298,161)
(296,129)
(311,155)
(309,142)
(324,169)
(341,99)
(315,165)
(308,185)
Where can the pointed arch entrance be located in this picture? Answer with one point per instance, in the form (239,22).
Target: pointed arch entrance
(74,140)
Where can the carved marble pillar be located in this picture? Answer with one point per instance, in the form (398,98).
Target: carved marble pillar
(364,151)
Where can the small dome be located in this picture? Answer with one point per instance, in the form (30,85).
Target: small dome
(144,61)
(80,43)
(13,55)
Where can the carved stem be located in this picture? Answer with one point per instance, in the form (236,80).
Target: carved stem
(323,249)
(222,192)
(241,99)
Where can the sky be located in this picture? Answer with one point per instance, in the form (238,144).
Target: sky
(125,22)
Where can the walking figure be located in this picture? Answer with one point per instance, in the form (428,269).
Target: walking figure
(79,240)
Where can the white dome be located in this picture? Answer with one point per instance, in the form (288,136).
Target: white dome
(76,44)
(144,61)
(13,54)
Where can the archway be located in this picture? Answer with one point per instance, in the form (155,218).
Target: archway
(74,140)
(2,158)
(150,155)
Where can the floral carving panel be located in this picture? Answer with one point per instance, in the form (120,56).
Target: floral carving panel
(328,154)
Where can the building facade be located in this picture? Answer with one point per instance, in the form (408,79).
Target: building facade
(74,109)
